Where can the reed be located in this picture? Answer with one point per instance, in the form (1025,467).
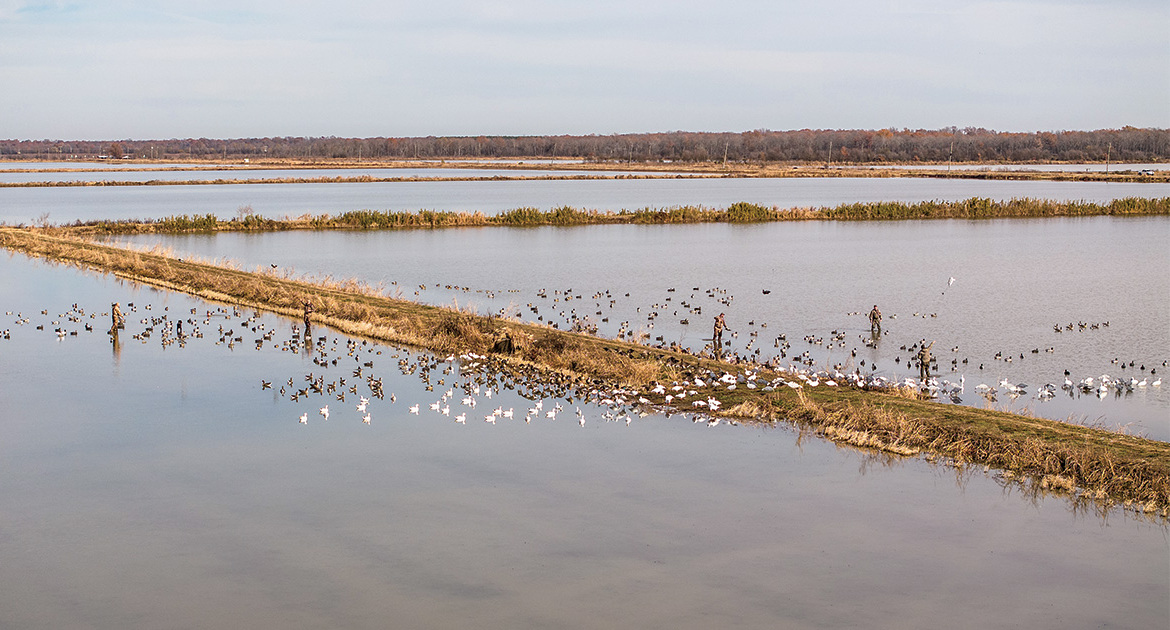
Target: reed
(1098,465)
(742,212)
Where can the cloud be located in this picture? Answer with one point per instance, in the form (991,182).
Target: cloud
(365,67)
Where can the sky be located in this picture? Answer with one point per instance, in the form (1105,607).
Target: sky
(129,69)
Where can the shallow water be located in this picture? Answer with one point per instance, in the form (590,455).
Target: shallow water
(122,175)
(155,487)
(63,205)
(1047,168)
(1014,280)
(111,165)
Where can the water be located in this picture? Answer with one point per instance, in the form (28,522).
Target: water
(1044,168)
(242,173)
(62,205)
(1090,167)
(147,485)
(6,166)
(1014,280)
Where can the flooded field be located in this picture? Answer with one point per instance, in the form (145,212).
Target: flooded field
(240,173)
(798,294)
(1095,167)
(63,205)
(157,482)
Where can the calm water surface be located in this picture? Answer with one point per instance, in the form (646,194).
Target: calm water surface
(152,486)
(25,205)
(247,173)
(1014,281)
(1065,168)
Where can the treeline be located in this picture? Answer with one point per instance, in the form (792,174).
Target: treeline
(1128,144)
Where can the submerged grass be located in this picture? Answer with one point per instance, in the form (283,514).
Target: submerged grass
(742,212)
(1086,462)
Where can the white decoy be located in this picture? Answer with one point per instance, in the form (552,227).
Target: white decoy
(461,418)
(305,418)
(414,409)
(324,411)
(366,418)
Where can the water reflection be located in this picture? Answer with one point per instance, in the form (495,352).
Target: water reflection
(155,175)
(798,295)
(178,487)
(346,371)
(92,203)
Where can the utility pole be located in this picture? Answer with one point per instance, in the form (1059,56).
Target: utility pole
(829,162)
(1108,151)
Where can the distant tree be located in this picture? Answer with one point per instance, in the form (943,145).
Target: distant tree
(115,151)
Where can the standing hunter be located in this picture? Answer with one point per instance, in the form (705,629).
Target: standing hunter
(875,321)
(717,337)
(117,319)
(308,307)
(924,359)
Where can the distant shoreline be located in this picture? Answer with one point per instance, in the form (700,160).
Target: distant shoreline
(596,170)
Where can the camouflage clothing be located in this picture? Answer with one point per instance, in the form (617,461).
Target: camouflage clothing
(924,359)
(717,338)
(117,319)
(875,320)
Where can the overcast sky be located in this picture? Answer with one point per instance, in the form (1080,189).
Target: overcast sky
(128,69)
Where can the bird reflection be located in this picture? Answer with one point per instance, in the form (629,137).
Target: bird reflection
(342,365)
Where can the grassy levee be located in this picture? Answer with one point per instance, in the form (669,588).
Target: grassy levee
(1084,462)
(973,209)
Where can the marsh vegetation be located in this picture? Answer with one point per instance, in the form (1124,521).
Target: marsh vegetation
(743,212)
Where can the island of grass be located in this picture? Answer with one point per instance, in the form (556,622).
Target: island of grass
(1088,464)
(972,209)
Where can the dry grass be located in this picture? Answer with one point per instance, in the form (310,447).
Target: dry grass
(1091,462)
